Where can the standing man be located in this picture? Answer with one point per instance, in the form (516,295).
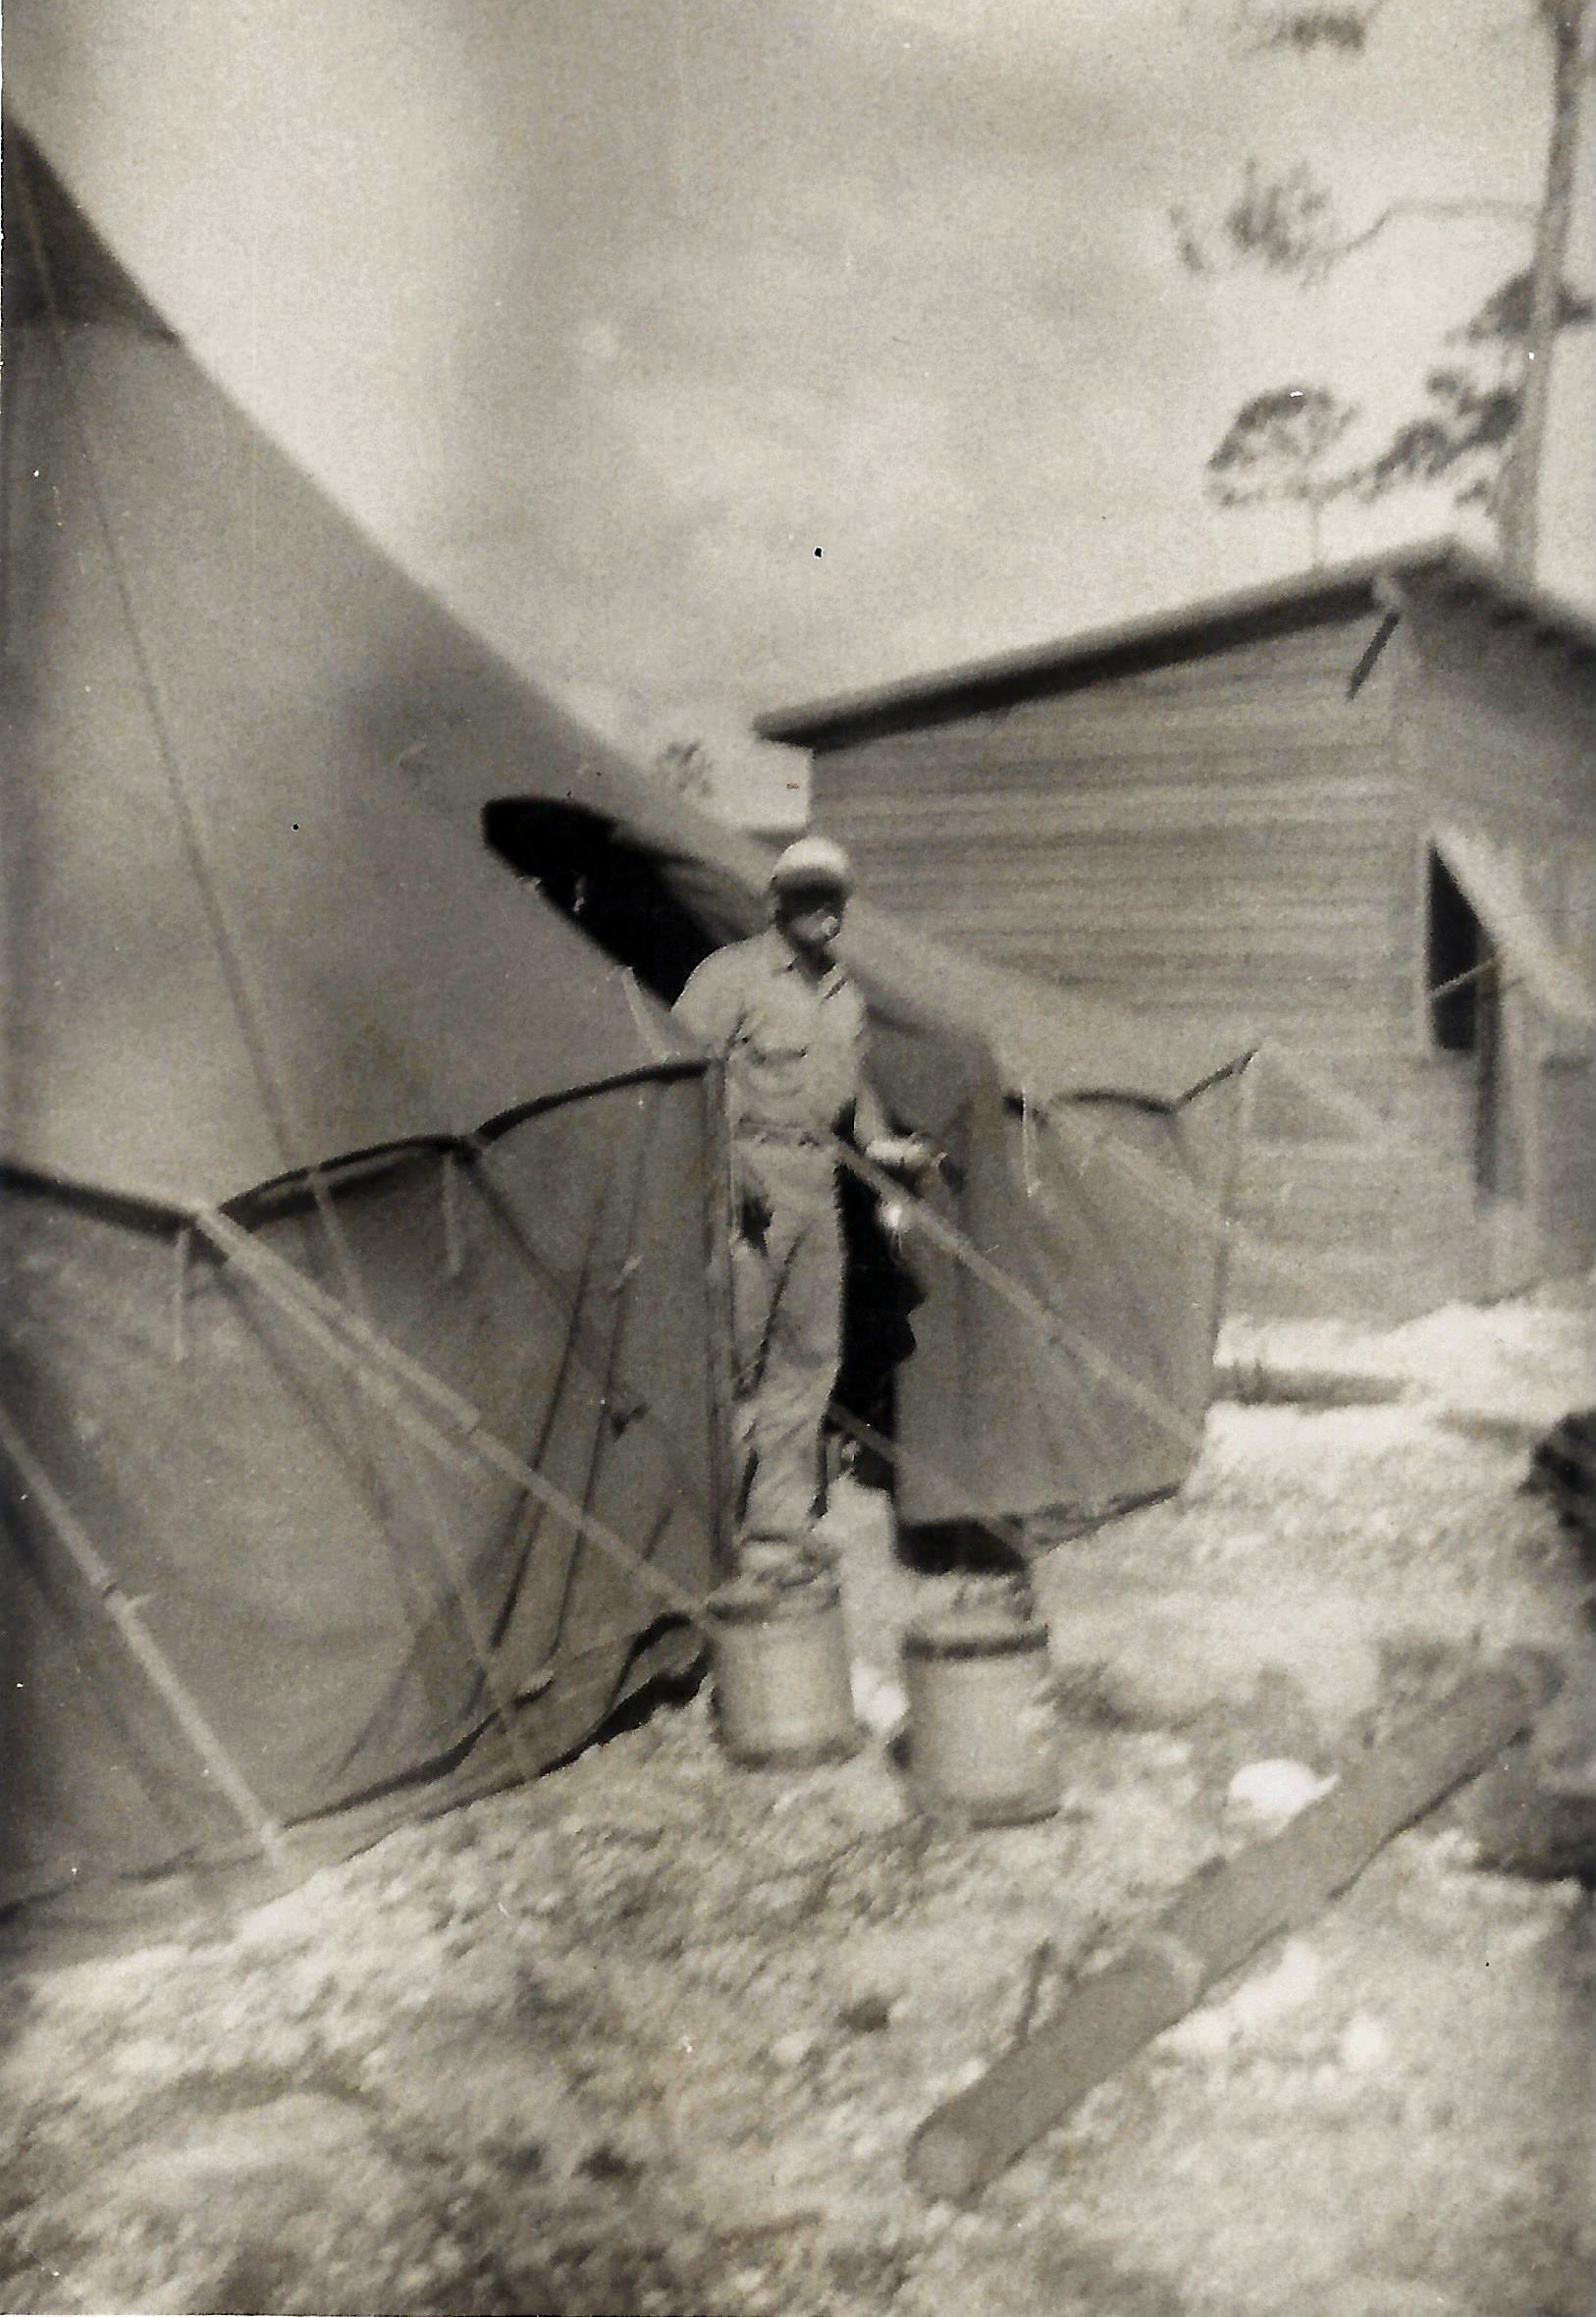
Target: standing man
(791,1023)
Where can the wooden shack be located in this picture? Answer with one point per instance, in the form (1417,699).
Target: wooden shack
(1350,817)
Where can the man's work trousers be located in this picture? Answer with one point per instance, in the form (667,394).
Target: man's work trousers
(787,1320)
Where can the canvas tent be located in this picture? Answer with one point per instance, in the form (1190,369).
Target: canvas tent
(1091,1152)
(263,956)
(251,974)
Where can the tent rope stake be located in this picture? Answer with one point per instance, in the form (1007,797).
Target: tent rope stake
(106,1587)
(450,1423)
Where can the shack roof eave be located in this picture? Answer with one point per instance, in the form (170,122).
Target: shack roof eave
(1150,640)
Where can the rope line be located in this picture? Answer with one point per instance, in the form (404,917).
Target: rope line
(106,1587)
(1042,1315)
(453,1428)
(1185,1203)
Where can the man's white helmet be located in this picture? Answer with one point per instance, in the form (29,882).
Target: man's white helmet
(813,861)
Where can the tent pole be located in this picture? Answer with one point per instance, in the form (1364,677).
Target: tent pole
(182,1253)
(451,1426)
(106,1587)
(722,1339)
(615,1412)
(567,1296)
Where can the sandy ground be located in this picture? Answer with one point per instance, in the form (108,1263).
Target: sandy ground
(652,2036)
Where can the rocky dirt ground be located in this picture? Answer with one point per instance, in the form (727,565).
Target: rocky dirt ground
(653,2035)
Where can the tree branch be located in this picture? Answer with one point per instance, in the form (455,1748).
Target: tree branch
(1467,205)
(1288,224)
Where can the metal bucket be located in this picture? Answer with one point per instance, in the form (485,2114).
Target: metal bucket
(782,1680)
(982,1737)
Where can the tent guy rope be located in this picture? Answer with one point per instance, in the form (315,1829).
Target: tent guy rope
(104,1583)
(448,1422)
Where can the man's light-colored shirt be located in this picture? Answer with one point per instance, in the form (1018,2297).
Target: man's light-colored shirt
(793,1044)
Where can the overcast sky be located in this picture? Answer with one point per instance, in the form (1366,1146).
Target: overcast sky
(607,315)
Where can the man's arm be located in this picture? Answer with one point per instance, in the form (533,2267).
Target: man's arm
(711,1003)
(908,1156)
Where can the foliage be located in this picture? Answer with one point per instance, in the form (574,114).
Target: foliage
(1279,443)
(1288,223)
(1506,313)
(1484,418)
(1307,28)
(1472,405)
(1279,446)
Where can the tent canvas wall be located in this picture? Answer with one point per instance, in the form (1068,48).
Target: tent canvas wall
(249,969)
(1090,1153)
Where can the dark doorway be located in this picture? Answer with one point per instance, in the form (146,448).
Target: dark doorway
(1455,947)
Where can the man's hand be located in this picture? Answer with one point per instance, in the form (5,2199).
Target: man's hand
(909,1158)
(751,1205)
(753,1216)
(894,1218)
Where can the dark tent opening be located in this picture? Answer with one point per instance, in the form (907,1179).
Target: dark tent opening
(580,862)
